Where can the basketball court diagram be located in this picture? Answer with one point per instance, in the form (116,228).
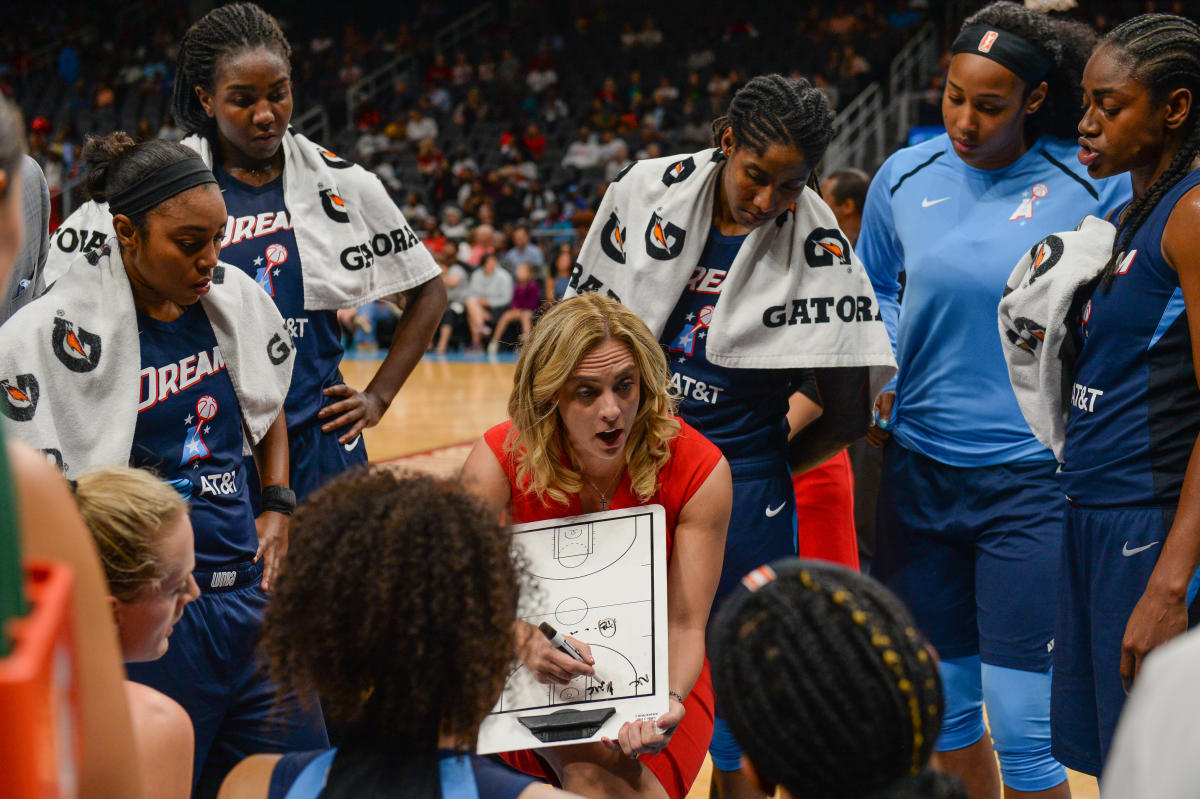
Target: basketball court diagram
(601,579)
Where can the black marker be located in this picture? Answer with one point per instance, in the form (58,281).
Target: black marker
(557,639)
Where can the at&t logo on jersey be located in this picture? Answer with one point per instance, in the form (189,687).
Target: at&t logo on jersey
(1024,211)
(19,397)
(158,383)
(695,389)
(1084,398)
(75,348)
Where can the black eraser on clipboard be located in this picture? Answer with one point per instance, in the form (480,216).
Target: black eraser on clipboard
(566,725)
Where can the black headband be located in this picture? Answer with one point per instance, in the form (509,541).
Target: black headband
(160,185)
(1019,56)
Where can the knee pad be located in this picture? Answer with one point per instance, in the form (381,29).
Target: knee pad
(724,750)
(962,689)
(1018,705)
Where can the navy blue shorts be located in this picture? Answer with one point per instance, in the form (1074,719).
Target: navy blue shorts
(762,529)
(763,525)
(1107,557)
(315,459)
(974,554)
(210,668)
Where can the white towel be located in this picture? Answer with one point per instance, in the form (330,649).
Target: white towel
(796,296)
(354,244)
(70,361)
(1034,324)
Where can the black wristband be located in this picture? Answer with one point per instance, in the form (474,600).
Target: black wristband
(278,499)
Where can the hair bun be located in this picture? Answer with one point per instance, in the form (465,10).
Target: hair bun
(99,154)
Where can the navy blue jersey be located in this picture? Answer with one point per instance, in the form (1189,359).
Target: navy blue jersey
(189,431)
(1135,411)
(259,241)
(956,232)
(742,411)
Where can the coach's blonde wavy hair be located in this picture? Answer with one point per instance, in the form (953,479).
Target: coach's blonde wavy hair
(567,332)
(125,509)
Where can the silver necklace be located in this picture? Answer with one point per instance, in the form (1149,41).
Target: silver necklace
(604,494)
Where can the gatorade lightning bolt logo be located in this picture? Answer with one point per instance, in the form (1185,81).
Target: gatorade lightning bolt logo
(276,254)
(332,159)
(679,171)
(825,247)
(664,240)
(194,448)
(335,207)
(75,348)
(19,397)
(1046,253)
(685,342)
(612,239)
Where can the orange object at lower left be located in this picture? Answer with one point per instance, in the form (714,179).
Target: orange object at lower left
(40,729)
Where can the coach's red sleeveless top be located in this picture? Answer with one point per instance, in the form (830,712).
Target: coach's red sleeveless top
(693,457)
(692,460)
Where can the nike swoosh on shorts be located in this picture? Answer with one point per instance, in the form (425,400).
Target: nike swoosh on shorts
(1127,552)
(772,513)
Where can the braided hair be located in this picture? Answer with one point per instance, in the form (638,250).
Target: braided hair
(1067,44)
(218,34)
(827,685)
(772,109)
(1161,52)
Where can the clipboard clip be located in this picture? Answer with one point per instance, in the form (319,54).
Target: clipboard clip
(566,725)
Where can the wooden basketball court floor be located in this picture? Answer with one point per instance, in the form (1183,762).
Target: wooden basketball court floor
(447,404)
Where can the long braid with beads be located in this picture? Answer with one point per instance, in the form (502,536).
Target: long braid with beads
(219,33)
(827,685)
(1163,54)
(772,109)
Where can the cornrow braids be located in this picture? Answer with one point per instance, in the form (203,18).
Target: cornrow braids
(1162,52)
(1067,44)
(825,681)
(772,109)
(218,34)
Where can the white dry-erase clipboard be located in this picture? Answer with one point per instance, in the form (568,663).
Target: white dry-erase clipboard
(600,578)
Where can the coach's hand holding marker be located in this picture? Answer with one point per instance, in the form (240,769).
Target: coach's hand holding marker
(555,658)
(559,641)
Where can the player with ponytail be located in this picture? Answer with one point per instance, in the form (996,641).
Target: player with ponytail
(969,517)
(1132,535)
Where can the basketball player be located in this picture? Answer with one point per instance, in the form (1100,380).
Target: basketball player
(410,710)
(234,89)
(189,429)
(969,509)
(773,135)
(1130,471)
